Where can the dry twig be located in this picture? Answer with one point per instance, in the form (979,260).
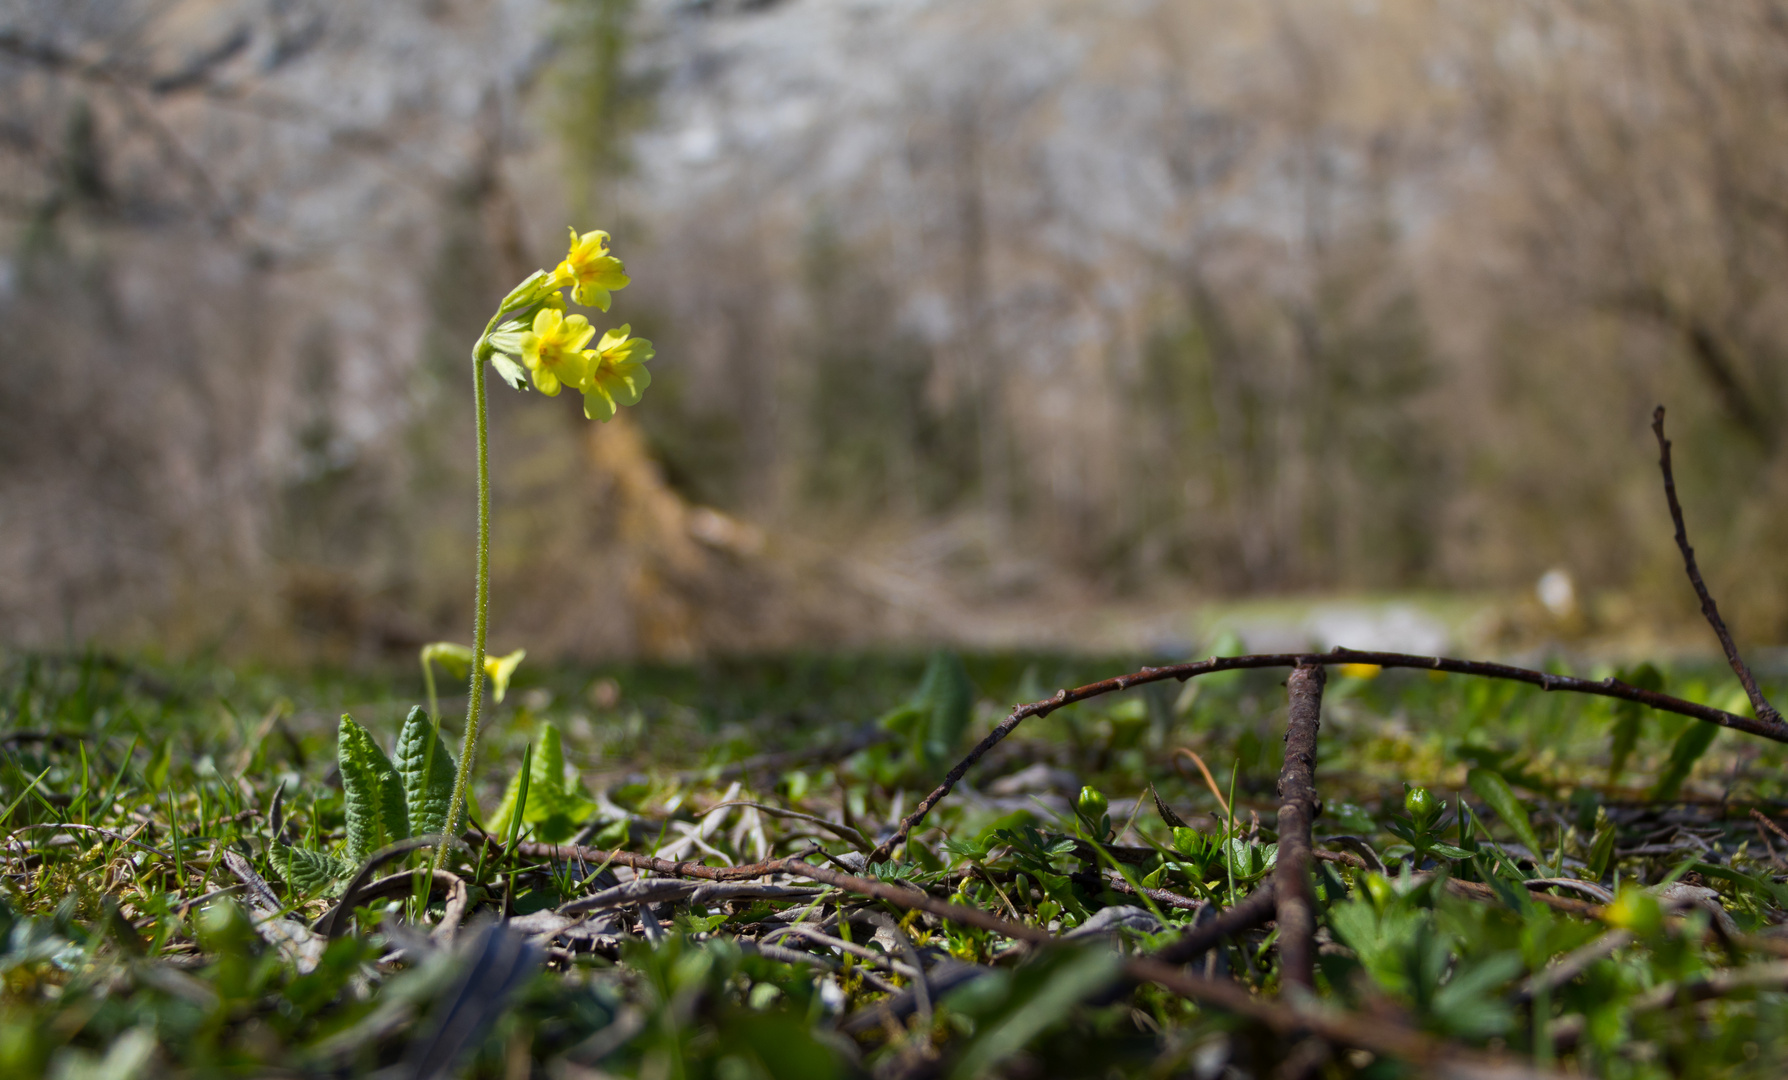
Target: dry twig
(1297,811)
(1765,711)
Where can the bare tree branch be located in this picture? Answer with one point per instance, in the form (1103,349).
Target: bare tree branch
(1765,711)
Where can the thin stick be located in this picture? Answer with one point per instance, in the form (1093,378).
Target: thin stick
(1248,914)
(1296,908)
(685,869)
(1765,711)
(1773,730)
(1209,780)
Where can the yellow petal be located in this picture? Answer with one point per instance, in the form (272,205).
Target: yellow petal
(597,404)
(578,331)
(501,669)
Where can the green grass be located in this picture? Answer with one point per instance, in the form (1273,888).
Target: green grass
(129,945)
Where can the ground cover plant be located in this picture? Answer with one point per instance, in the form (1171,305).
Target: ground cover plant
(803,868)
(156,803)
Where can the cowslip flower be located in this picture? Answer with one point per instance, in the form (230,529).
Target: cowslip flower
(553,350)
(590,270)
(617,375)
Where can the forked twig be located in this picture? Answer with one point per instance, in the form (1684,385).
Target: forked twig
(1765,711)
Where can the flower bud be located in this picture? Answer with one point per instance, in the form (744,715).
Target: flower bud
(1092,804)
(1420,803)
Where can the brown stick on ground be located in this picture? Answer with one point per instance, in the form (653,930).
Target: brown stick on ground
(1297,810)
(1774,730)
(1765,711)
(685,869)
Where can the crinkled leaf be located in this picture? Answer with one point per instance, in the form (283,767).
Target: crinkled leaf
(372,792)
(308,872)
(427,772)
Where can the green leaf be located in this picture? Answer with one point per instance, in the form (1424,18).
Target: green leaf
(309,872)
(427,773)
(1627,715)
(1493,789)
(1601,849)
(938,713)
(555,807)
(372,791)
(1690,745)
(1044,993)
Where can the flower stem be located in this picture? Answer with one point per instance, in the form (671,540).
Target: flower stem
(475,697)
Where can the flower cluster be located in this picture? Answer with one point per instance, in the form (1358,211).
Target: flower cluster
(536,340)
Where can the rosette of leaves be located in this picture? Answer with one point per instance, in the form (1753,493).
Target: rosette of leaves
(384,801)
(556,804)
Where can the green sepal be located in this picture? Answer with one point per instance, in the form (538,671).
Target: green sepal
(372,791)
(510,370)
(528,292)
(309,872)
(427,773)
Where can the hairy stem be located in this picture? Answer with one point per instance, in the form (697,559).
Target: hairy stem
(481,616)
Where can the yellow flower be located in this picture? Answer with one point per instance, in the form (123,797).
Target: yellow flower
(500,669)
(618,375)
(1361,671)
(554,350)
(457,660)
(592,271)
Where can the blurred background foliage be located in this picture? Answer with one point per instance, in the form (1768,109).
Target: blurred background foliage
(972,317)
